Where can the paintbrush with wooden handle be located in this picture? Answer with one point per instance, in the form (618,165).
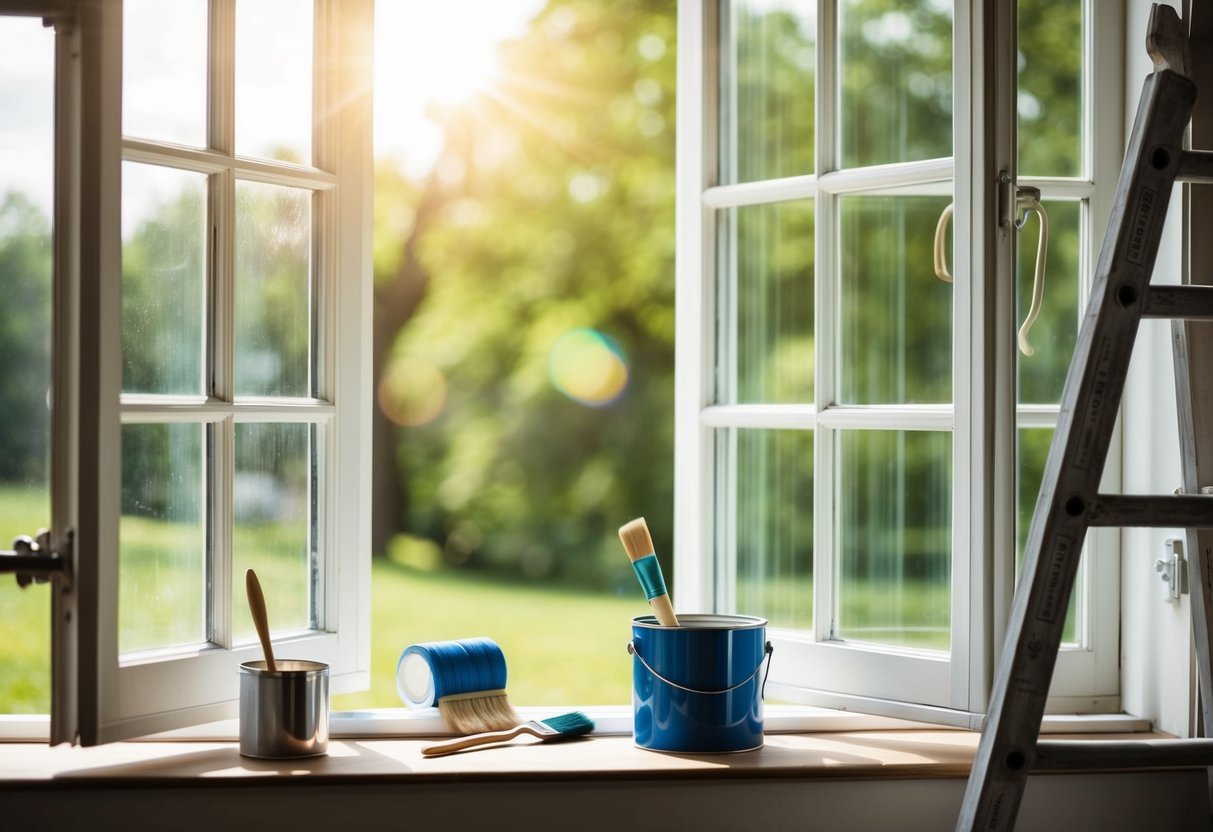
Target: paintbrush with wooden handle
(639,545)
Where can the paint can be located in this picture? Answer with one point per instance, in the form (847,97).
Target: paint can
(697,688)
(284,713)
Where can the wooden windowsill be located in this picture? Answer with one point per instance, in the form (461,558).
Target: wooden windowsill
(918,754)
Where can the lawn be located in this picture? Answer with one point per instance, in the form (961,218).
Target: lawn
(562,646)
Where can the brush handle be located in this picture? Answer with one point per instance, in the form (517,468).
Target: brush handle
(256,607)
(664,611)
(487,738)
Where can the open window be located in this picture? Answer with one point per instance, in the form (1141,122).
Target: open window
(858,442)
(211,390)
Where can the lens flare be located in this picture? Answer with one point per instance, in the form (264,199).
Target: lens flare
(412,392)
(588,367)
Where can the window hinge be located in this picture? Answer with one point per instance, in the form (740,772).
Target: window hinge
(1173,569)
(35,560)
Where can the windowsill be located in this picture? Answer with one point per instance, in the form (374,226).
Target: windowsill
(923,754)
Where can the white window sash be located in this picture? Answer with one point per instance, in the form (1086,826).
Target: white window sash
(99,697)
(938,687)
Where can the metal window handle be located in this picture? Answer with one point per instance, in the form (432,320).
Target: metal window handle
(1027,200)
(33,559)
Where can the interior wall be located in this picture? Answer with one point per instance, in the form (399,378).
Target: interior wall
(1156,665)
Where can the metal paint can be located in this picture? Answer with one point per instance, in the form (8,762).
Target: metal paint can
(697,688)
(284,713)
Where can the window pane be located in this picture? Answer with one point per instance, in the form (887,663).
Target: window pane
(895,77)
(274,510)
(766,341)
(1031,453)
(163,279)
(1050,87)
(767,88)
(895,537)
(27,95)
(773,488)
(164,70)
(273,290)
(1043,374)
(896,315)
(162,537)
(274,80)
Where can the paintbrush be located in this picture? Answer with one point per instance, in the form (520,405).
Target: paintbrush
(563,727)
(639,545)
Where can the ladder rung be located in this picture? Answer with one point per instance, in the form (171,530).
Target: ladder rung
(1195,166)
(1183,511)
(1187,302)
(1071,755)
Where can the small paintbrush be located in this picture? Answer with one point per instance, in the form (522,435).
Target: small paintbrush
(639,545)
(563,727)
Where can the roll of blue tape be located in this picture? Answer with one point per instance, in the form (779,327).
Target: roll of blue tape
(427,672)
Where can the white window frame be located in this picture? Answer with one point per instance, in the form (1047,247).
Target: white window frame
(97,696)
(811,669)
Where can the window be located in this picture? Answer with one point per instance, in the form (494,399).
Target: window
(840,407)
(220,347)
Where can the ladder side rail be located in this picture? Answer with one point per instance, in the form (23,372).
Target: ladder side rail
(1090,402)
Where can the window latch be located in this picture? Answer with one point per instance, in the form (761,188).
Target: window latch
(1173,569)
(35,560)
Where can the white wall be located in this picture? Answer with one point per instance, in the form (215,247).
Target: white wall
(1156,677)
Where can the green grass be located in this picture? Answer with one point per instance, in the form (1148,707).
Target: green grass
(562,646)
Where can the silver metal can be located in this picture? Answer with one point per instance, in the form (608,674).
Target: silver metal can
(284,713)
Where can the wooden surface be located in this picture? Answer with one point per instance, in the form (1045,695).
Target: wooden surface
(924,754)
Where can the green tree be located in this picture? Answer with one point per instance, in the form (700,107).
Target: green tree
(550,211)
(25,340)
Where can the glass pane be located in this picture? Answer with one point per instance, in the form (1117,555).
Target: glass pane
(773,488)
(1031,453)
(164,70)
(895,537)
(162,537)
(274,509)
(273,290)
(274,80)
(164,242)
(1050,87)
(767,251)
(895,78)
(1043,374)
(767,89)
(27,94)
(895,343)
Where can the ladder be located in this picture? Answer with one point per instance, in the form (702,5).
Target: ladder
(1069,502)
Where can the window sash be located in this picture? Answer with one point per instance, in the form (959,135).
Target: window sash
(107,699)
(983,423)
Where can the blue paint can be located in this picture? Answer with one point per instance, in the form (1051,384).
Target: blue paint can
(697,688)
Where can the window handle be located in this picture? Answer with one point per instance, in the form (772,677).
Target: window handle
(941,258)
(1027,200)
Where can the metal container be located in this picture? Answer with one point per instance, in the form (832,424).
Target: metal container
(284,713)
(696,687)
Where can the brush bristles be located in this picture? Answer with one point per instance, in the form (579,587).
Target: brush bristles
(636,539)
(477,713)
(572,724)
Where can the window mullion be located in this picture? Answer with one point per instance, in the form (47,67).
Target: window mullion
(825,325)
(221,317)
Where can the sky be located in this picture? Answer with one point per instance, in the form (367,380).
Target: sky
(425,51)
(439,51)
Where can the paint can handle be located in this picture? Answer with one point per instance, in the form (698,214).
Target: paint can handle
(767,651)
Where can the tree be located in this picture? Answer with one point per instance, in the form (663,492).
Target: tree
(549,213)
